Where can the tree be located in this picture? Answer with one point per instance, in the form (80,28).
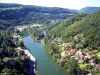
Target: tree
(17,31)
(21,43)
(6,71)
(21,53)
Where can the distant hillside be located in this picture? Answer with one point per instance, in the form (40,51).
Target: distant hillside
(89,10)
(82,33)
(17,14)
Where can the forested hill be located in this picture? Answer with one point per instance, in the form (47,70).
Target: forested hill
(89,10)
(38,9)
(82,33)
(17,14)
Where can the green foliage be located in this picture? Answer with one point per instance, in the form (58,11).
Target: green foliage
(83,32)
(11,62)
(21,43)
(16,14)
(53,50)
(21,53)
(60,29)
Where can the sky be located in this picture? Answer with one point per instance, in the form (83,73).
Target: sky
(71,4)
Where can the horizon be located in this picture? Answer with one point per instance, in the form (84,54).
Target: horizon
(70,4)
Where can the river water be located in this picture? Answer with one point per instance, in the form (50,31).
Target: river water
(45,64)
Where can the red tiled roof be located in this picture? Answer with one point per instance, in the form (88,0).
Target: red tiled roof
(89,53)
(98,65)
(73,52)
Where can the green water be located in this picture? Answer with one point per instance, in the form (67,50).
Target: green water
(45,65)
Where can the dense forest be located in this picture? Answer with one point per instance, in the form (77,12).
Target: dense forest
(17,14)
(78,34)
(12,61)
(81,28)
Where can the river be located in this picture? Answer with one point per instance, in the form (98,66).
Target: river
(45,64)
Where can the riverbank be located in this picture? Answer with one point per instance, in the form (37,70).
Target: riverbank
(32,58)
(45,64)
(26,51)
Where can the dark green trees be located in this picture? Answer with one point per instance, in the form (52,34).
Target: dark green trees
(11,62)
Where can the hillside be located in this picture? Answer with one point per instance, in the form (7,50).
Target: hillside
(13,61)
(17,14)
(75,44)
(83,32)
(89,10)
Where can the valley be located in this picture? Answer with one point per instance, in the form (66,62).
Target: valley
(38,40)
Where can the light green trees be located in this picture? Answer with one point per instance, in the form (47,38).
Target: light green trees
(21,43)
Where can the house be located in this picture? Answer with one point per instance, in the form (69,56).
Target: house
(97,67)
(89,54)
(85,57)
(92,62)
(72,52)
(79,53)
(65,53)
(80,57)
